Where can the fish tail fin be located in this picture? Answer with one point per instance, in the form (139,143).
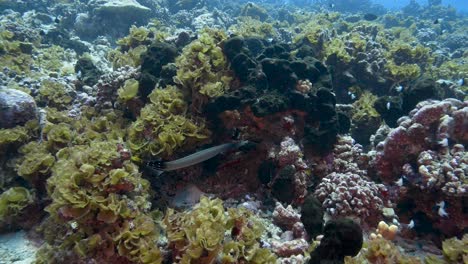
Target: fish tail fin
(156,166)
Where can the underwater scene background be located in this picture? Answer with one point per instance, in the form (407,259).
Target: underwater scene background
(208,131)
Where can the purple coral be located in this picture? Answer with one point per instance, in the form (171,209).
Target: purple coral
(444,170)
(348,194)
(346,190)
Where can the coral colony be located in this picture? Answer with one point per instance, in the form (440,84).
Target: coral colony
(189,131)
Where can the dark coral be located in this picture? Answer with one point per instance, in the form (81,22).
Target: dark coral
(283,184)
(391,108)
(155,67)
(342,237)
(312,216)
(269,75)
(87,72)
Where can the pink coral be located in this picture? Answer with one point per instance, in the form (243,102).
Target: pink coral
(290,248)
(348,194)
(443,170)
(291,154)
(430,126)
(285,217)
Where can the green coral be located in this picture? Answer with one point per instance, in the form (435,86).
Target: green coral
(456,250)
(163,126)
(53,60)
(381,250)
(54,94)
(103,198)
(254,11)
(136,37)
(335,50)
(12,137)
(251,27)
(202,68)
(402,73)
(129,90)
(36,161)
(199,235)
(363,108)
(452,69)
(13,201)
(132,47)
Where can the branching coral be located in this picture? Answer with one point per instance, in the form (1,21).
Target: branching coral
(198,236)
(163,126)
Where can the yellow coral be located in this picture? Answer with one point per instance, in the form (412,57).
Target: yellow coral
(129,90)
(202,68)
(199,235)
(13,200)
(163,126)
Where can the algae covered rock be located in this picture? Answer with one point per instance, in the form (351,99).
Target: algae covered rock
(16,108)
(130,8)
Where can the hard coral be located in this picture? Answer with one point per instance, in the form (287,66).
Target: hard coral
(350,194)
(198,236)
(12,202)
(202,69)
(94,188)
(431,124)
(342,237)
(163,127)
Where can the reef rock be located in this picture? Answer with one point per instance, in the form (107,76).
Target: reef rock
(16,107)
(120,7)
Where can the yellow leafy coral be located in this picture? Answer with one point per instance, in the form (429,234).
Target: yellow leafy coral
(12,201)
(163,126)
(199,235)
(202,69)
(100,194)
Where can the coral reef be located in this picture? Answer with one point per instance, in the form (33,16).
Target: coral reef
(341,238)
(95,95)
(430,125)
(99,195)
(202,70)
(163,126)
(198,236)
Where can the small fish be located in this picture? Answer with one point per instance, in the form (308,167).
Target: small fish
(461,82)
(437,21)
(399,88)
(160,167)
(388,105)
(370,17)
(411,224)
(186,197)
(441,211)
(57,20)
(352,95)
(400,182)
(444,142)
(331,5)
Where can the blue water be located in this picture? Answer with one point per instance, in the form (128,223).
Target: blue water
(460,5)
